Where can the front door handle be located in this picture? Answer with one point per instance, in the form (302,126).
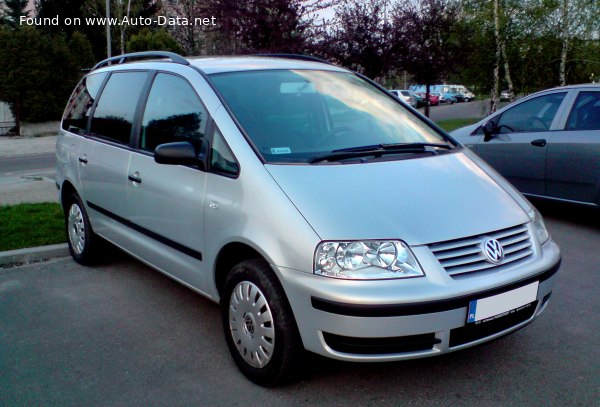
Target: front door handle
(83,159)
(135,178)
(539,142)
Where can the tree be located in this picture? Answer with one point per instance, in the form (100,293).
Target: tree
(578,20)
(259,26)
(37,73)
(189,36)
(425,38)
(119,9)
(360,38)
(12,11)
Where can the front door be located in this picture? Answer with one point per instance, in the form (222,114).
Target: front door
(166,202)
(518,150)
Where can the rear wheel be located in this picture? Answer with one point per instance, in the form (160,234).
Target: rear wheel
(83,242)
(258,323)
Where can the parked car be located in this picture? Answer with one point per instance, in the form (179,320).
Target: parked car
(444,97)
(308,202)
(406,96)
(433,99)
(506,96)
(459,97)
(547,144)
(445,88)
(419,100)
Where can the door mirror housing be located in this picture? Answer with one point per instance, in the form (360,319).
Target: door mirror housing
(182,153)
(489,129)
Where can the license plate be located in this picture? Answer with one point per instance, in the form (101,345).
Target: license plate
(497,306)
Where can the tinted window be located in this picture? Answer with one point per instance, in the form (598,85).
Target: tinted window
(585,114)
(76,113)
(115,111)
(221,157)
(530,116)
(173,113)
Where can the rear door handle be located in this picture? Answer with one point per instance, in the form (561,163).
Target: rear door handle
(134,178)
(83,159)
(539,142)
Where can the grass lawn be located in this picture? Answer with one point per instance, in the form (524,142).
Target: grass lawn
(453,124)
(30,225)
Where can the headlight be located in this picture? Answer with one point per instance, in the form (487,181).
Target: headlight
(366,260)
(539,228)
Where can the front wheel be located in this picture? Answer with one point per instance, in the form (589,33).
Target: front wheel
(258,323)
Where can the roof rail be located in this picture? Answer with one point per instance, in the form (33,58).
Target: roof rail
(121,59)
(295,56)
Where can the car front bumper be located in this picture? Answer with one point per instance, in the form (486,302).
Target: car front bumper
(389,320)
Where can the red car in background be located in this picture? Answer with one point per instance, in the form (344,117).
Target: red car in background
(433,99)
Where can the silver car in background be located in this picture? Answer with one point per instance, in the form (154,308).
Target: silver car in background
(319,211)
(547,144)
(406,96)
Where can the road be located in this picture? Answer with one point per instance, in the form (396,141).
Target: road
(30,162)
(477,108)
(121,334)
(28,178)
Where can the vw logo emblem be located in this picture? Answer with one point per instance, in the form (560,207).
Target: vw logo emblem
(493,251)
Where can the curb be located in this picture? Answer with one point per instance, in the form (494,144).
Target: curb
(33,254)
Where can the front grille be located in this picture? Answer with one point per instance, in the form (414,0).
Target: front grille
(461,256)
(381,346)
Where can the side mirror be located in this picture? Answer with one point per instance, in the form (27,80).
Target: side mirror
(489,128)
(182,153)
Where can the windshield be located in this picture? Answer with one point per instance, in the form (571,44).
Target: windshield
(291,116)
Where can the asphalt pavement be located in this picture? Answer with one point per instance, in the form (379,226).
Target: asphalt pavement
(122,334)
(28,162)
(27,170)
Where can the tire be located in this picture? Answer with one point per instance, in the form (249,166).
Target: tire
(253,303)
(84,244)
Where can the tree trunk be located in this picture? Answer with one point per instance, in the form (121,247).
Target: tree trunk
(124,28)
(494,102)
(565,43)
(507,73)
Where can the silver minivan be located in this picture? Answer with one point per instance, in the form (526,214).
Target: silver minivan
(319,210)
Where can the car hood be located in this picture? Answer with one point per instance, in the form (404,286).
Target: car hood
(420,201)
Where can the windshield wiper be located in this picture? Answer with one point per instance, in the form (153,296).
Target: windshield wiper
(376,150)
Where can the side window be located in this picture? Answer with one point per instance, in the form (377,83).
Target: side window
(115,111)
(76,113)
(585,114)
(173,113)
(221,157)
(533,115)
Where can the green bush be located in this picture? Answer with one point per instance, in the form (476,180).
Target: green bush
(148,40)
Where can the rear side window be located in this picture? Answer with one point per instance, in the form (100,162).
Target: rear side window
(173,113)
(77,111)
(114,114)
(585,114)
